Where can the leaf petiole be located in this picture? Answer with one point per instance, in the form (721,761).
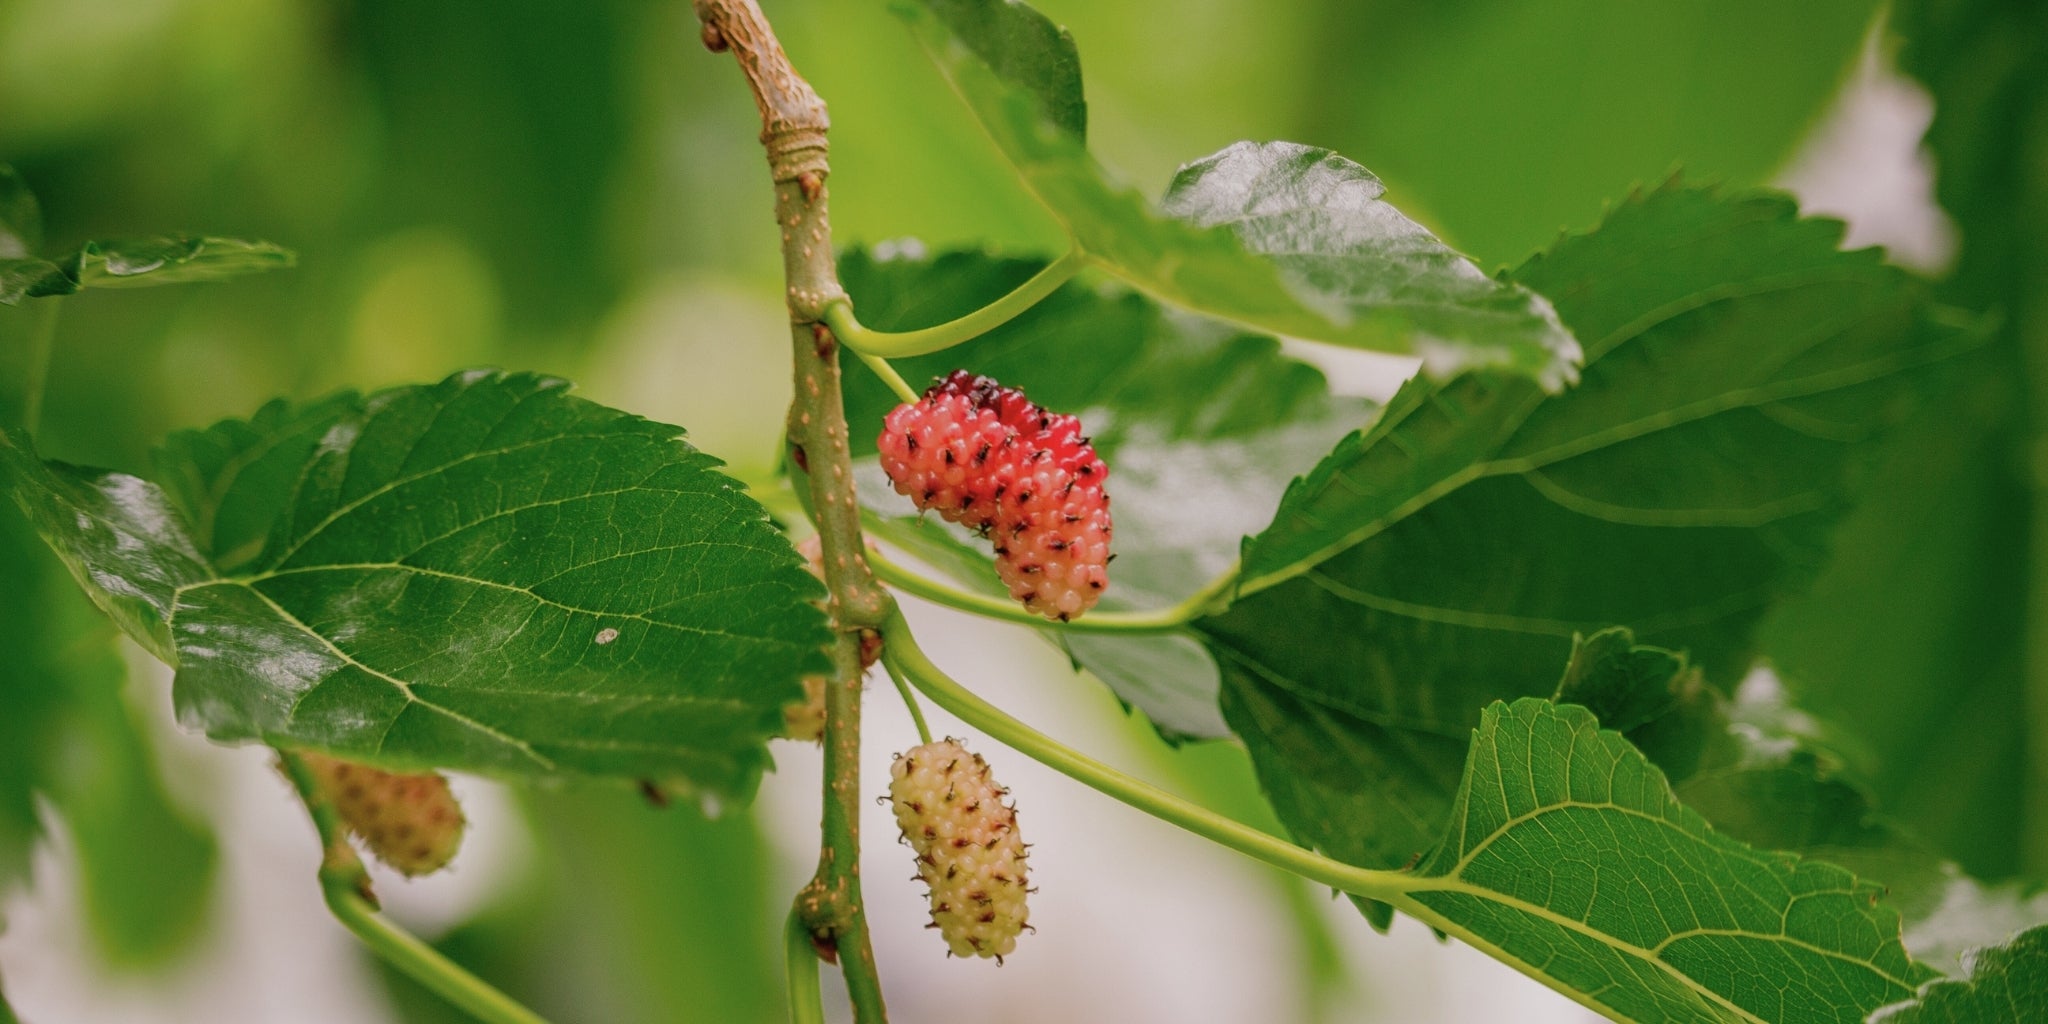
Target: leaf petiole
(924,341)
(924,732)
(806,995)
(889,376)
(901,653)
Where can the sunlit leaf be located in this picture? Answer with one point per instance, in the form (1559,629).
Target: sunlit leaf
(1283,238)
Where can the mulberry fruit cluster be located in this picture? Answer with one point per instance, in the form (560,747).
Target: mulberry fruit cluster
(983,455)
(968,851)
(409,821)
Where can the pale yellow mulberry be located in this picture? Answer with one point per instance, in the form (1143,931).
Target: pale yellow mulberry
(969,852)
(409,821)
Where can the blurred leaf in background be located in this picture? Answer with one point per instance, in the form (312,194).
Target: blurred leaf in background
(1928,638)
(69,742)
(631,913)
(1510,122)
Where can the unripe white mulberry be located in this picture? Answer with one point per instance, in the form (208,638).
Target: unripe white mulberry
(952,813)
(804,720)
(409,821)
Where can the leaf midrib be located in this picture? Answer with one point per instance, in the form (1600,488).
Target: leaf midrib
(403,687)
(1436,919)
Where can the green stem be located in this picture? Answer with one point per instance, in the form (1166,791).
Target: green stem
(897,345)
(1158,620)
(422,963)
(924,732)
(800,960)
(900,650)
(793,126)
(889,376)
(346,887)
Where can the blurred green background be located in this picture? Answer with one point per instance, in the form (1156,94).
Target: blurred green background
(571,187)
(575,188)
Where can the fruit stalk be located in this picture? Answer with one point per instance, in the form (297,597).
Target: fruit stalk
(346,886)
(793,126)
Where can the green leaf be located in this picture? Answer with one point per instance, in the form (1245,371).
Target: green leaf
(1925,637)
(34,689)
(148,262)
(1750,325)
(1624,684)
(1911,639)
(2006,983)
(32,277)
(1446,557)
(1026,51)
(1282,238)
(1761,772)
(117,534)
(484,574)
(139,263)
(1568,856)
(1770,777)
(1176,405)
(1347,253)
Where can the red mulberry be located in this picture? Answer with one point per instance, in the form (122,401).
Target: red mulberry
(984,455)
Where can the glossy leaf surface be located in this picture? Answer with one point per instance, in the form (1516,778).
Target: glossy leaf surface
(484,574)
(1282,238)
